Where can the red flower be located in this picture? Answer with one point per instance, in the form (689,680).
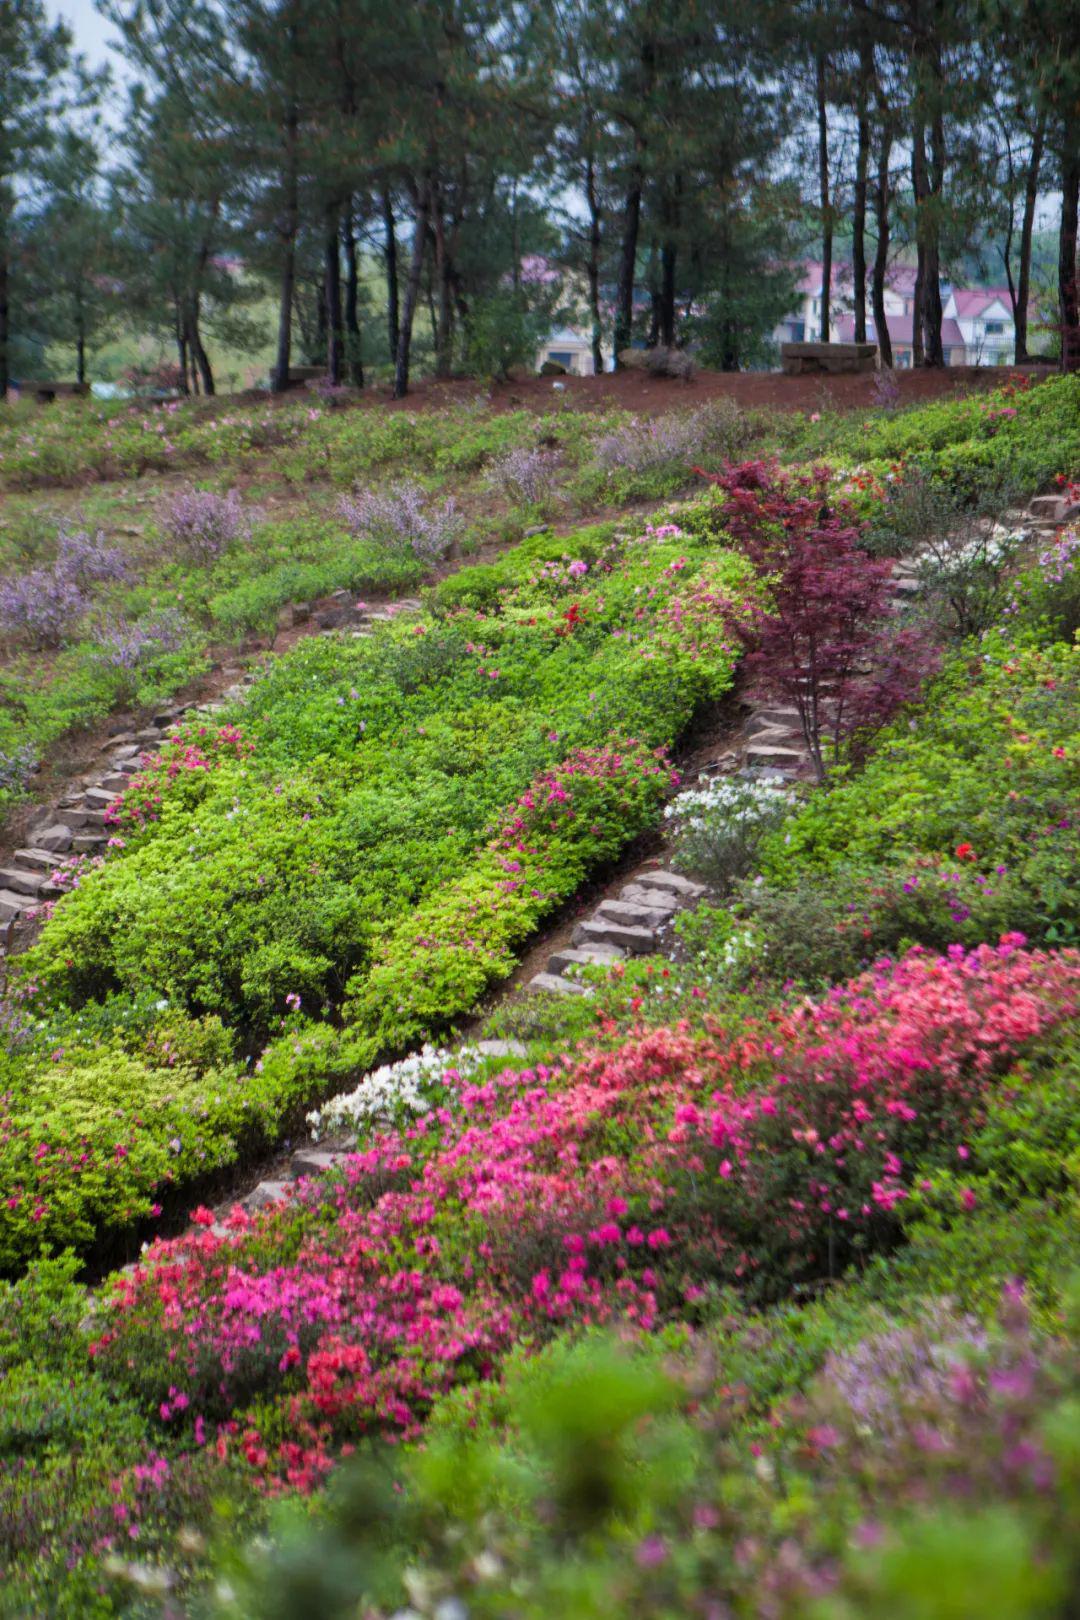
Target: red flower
(964,852)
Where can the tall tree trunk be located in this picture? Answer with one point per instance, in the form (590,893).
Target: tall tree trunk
(624,289)
(200,360)
(353,345)
(80,358)
(919,186)
(390,259)
(862,168)
(181,348)
(1068,295)
(335,326)
(421,213)
(1027,229)
(668,257)
(881,254)
(823,194)
(5,315)
(444,317)
(280,381)
(592,266)
(933,348)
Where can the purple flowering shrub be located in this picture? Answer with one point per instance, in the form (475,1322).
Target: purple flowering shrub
(525,476)
(44,605)
(130,645)
(403,519)
(202,525)
(675,441)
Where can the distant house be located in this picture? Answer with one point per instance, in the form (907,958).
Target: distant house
(570,347)
(976,330)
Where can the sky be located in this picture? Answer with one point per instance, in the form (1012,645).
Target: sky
(92,33)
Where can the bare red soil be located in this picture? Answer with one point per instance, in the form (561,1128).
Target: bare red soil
(634,391)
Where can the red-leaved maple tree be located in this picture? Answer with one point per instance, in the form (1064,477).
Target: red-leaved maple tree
(823,635)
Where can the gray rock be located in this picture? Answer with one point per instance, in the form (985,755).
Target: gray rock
(36,860)
(313,1162)
(596,931)
(635,914)
(20,880)
(674,882)
(552,984)
(267,1193)
(56,837)
(584,956)
(12,905)
(502,1048)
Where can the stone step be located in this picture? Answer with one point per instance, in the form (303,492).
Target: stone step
(502,1049)
(596,931)
(36,860)
(584,956)
(128,751)
(114,783)
(634,913)
(904,585)
(553,985)
(126,768)
(12,905)
(1051,508)
(54,836)
(674,882)
(98,798)
(148,734)
(89,842)
(20,880)
(96,818)
(661,903)
(775,755)
(314,1162)
(266,1194)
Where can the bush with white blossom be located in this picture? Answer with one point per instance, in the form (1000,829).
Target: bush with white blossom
(717,827)
(397,1092)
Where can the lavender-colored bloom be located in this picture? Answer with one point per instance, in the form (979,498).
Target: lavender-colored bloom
(128,646)
(525,476)
(403,519)
(16,768)
(42,605)
(202,525)
(890,1376)
(85,559)
(678,439)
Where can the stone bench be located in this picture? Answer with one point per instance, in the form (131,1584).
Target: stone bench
(797,359)
(46,392)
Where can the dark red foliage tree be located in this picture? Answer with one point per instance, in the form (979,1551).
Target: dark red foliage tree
(823,635)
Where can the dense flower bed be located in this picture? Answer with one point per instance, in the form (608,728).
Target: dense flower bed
(348,875)
(624,1187)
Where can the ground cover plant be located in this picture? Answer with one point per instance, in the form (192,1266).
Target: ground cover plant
(349,871)
(745,1290)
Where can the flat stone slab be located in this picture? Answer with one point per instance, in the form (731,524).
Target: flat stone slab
(584,956)
(673,882)
(598,931)
(88,843)
(637,914)
(21,880)
(501,1049)
(659,900)
(13,905)
(268,1193)
(554,985)
(37,860)
(775,754)
(56,837)
(314,1162)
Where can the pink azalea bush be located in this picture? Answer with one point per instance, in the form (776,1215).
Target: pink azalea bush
(619,1187)
(194,751)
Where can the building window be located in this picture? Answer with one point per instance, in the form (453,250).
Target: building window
(994,328)
(561,357)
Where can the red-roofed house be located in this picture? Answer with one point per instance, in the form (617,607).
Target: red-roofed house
(977,327)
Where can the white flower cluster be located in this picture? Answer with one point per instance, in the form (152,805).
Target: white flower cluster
(395,1092)
(736,803)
